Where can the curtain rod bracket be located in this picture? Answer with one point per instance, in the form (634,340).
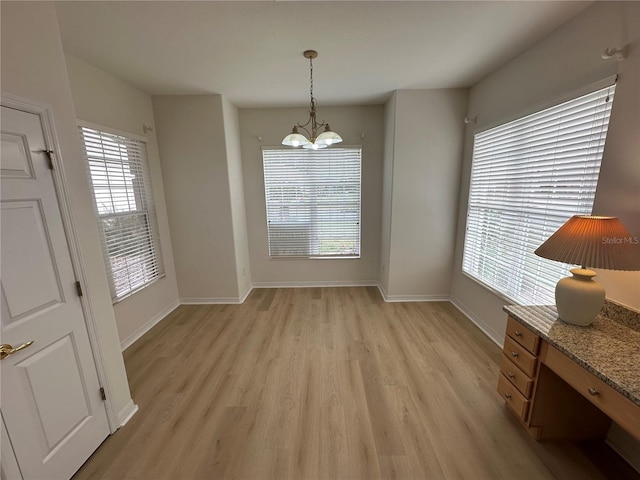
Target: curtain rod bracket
(619,53)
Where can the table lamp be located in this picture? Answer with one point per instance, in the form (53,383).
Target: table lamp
(590,241)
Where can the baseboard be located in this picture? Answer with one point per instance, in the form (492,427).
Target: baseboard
(493,336)
(212,300)
(416,298)
(382,291)
(131,339)
(411,298)
(626,446)
(126,413)
(246,293)
(312,284)
(243,297)
(360,283)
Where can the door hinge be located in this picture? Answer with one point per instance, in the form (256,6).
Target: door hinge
(79,289)
(103,395)
(48,153)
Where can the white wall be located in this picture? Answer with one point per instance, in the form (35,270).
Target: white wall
(236,183)
(427,153)
(272,124)
(109,102)
(33,67)
(563,62)
(193,154)
(619,182)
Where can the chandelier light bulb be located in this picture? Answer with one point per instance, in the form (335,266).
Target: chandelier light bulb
(295,139)
(328,137)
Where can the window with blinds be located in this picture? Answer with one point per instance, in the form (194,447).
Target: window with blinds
(123,201)
(313,202)
(528,177)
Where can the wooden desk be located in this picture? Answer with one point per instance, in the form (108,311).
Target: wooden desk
(566,382)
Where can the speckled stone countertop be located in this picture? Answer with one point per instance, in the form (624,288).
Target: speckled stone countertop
(610,349)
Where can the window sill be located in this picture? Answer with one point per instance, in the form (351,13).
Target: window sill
(336,257)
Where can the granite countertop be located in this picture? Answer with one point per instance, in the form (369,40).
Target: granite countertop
(610,349)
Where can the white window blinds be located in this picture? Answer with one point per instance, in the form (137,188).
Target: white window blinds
(313,202)
(123,201)
(528,177)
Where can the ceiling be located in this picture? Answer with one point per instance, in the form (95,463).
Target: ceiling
(251,52)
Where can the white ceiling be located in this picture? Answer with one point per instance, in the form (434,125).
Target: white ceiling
(251,52)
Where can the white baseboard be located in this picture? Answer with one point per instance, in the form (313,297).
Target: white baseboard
(359,283)
(416,298)
(412,298)
(126,413)
(496,338)
(217,300)
(246,293)
(211,300)
(382,291)
(130,340)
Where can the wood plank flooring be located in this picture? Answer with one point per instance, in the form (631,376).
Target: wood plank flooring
(322,383)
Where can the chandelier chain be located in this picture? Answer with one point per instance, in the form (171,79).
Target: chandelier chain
(313,100)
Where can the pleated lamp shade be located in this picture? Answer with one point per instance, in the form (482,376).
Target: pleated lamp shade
(593,242)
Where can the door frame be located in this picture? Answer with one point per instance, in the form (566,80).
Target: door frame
(61,187)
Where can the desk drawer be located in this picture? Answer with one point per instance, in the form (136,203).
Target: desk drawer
(519,356)
(513,398)
(617,407)
(522,382)
(523,336)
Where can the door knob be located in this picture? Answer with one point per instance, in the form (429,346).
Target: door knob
(6,349)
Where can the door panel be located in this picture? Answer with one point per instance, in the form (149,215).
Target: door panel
(29,278)
(50,398)
(16,160)
(53,375)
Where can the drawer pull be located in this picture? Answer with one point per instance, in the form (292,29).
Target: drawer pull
(507,395)
(515,354)
(511,374)
(517,333)
(593,391)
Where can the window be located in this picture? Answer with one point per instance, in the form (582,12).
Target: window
(528,177)
(121,187)
(313,202)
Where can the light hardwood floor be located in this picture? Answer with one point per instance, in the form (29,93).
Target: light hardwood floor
(322,383)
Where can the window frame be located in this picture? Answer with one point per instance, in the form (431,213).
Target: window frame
(143,193)
(607,82)
(312,208)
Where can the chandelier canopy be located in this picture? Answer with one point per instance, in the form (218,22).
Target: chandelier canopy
(313,140)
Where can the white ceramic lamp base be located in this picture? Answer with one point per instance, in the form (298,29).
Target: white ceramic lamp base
(579,298)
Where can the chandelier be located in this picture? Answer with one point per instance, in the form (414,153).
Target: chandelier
(311,127)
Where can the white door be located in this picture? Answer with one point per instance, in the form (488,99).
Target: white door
(51,402)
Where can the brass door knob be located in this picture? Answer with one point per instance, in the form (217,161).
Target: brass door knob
(6,349)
